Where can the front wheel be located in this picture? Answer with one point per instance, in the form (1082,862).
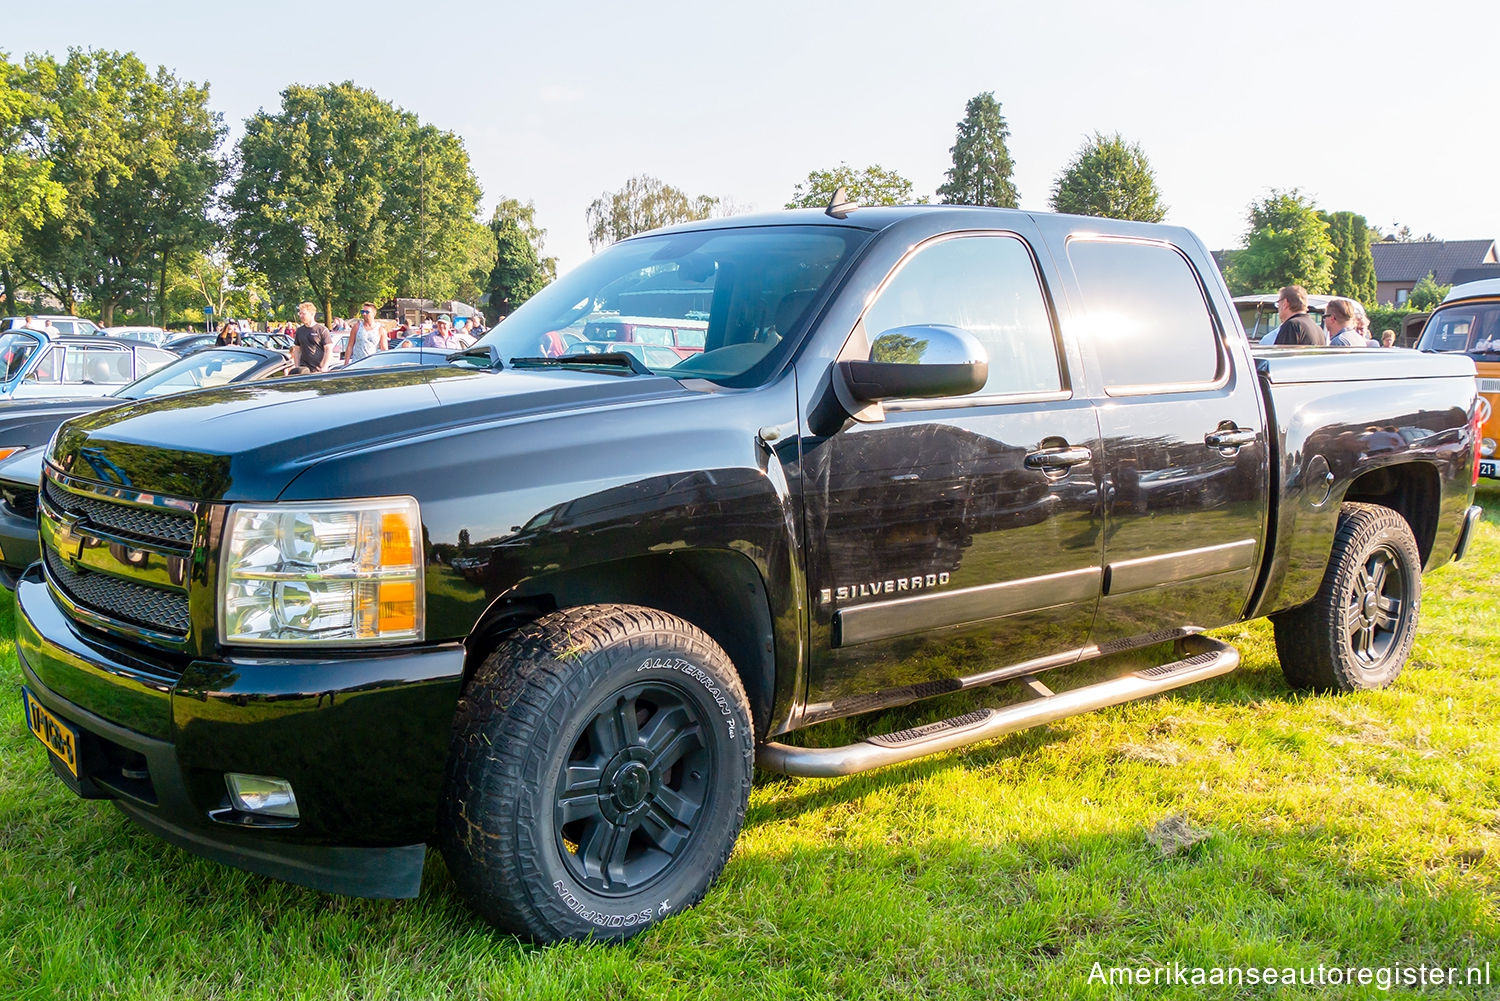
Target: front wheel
(598,776)
(1357,632)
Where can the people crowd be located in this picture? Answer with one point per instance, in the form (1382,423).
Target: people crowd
(1345,323)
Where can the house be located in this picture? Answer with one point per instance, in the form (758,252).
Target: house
(1399,266)
(413,311)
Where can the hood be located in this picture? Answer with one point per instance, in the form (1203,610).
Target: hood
(30,423)
(247,442)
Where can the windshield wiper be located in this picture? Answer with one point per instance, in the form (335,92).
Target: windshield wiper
(613,360)
(487,352)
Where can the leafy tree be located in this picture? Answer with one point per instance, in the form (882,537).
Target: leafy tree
(1287,244)
(872,186)
(1427,293)
(135,154)
(1110,178)
(29,195)
(348,198)
(1402,234)
(519,271)
(1353,264)
(446,252)
(643,203)
(982,167)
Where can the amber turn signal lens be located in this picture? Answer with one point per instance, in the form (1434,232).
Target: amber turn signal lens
(6,453)
(396,540)
(398,606)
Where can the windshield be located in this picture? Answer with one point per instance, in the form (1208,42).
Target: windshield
(15,348)
(1471,328)
(198,371)
(729,300)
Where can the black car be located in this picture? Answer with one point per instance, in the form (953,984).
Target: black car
(549,614)
(25,426)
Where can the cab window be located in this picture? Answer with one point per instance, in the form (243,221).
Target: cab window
(1146,316)
(988,286)
(97,366)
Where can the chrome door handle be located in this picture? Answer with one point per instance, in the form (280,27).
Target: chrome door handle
(1229,438)
(1057,459)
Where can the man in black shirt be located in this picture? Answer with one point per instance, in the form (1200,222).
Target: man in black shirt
(311,342)
(1297,328)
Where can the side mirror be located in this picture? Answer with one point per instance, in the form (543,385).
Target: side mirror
(918,362)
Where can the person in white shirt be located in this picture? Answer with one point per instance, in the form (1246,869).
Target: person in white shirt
(366,338)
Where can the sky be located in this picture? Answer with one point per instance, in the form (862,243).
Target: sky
(1381,108)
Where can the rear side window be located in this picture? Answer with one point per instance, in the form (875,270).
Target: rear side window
(987,285)
(96,366)
(1146,315)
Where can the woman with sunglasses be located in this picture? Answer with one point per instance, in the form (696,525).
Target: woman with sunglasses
(366,338)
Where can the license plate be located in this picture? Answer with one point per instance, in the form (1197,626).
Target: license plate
(1489,468)
(60,738)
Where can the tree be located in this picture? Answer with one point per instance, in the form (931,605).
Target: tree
(1427,294)
(1110,178)
(643,203)
(1353,264)
(348,198)
(520,271)
(982,167)
(1287,244)
(29,195)
(872,186)
(135,154)
(447,253)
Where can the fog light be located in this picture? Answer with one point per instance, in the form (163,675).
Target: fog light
(1487,447)
(261,794)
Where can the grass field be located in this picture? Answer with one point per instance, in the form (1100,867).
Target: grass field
(1342,831)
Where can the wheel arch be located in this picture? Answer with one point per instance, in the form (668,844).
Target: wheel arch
(1411,489)
(718,590)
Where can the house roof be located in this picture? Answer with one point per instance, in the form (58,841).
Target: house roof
(1409,262)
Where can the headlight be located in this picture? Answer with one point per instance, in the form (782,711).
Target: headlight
(322,572)
(1487,447)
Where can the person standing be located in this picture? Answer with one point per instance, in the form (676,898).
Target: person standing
(312,343)
(1387,338)
(1338,318)
(1297,328)
(365,339)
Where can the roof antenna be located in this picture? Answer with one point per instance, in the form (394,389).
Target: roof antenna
(840,205)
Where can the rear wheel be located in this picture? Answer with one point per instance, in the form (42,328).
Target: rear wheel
(1357,632)
(599,772)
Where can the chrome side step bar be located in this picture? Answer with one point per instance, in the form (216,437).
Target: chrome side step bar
(1206,658)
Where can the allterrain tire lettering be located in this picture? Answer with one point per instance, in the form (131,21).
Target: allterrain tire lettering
(682,666)
(598,917)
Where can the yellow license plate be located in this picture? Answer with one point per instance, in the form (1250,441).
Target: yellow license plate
(60,738)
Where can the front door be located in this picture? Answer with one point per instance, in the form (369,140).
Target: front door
(947,543)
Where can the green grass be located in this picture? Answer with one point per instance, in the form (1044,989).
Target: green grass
(1359,830)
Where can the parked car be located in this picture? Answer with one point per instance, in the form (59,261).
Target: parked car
(26,426)
(187,344)
(655,356)
(552,612)
(69,326)
(1468,323)
(35,365)
(684,336)
(151,335)
(1259,317)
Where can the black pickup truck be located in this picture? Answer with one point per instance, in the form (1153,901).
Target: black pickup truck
(547,610)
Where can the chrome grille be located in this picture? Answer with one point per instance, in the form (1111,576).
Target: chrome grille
(150,607)
(163,527)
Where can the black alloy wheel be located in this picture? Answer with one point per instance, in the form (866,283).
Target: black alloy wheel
(1357,631)
(634,787)
(598,774)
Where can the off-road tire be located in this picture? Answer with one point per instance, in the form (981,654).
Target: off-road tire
(1357,632)
(597,688)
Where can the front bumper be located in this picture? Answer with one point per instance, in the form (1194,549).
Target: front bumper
(363,739)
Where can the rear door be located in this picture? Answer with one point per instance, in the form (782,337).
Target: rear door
(941,549)
(1185,455)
